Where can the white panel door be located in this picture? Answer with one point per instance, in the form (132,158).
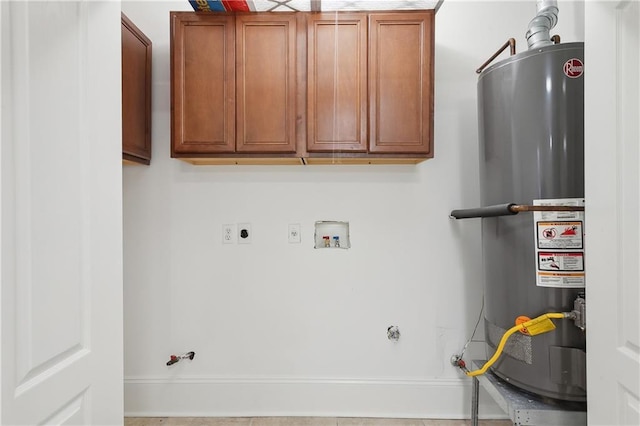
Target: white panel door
(61,213)
(612,159)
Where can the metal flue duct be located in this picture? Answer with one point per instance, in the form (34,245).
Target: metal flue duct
(542,23)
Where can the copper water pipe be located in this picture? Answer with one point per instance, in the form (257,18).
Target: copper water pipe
(517,208)
(509,209)
(511,42)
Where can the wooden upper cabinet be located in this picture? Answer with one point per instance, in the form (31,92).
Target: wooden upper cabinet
(302,88)
(266,82)
(202,83)
(233,84)
(136,94)
(337,82)
(401,82)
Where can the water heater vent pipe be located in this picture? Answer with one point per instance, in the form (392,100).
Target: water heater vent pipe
(542,23)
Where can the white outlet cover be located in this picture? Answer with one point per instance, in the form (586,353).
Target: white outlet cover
(249,234)
(294,233)
(229,234)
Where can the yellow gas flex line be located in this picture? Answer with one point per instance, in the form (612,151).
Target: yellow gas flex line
(539,325)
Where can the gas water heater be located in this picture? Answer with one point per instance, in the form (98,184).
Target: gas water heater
(531,135)
(531,118)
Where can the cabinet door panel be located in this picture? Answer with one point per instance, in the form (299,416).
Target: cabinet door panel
(401,75)
(136,93)
(337,83)
(203,84)
(266,73)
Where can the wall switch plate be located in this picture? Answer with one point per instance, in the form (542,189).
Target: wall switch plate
(244,233)
(229,234)
(294,233)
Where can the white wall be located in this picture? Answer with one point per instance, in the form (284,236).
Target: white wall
(283,329)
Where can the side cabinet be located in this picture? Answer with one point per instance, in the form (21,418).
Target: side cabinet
(136,94)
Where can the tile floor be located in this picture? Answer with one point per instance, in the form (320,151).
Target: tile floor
(299,421)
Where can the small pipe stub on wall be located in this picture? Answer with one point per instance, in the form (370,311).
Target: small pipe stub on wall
(393,333)
(176,358)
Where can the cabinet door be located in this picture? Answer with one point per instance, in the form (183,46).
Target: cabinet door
(266,83)
(401,82)
(337,82)
(136,93)
(202,83)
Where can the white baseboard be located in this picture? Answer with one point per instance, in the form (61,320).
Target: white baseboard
(277,396)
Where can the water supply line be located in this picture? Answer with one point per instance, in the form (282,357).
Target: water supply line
(539,27)
(509,209)
(511,43)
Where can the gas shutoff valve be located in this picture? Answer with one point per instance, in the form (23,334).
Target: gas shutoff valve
(579,313)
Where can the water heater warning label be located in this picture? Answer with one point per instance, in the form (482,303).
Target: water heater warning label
(559,235)
(561,261)
(559,244)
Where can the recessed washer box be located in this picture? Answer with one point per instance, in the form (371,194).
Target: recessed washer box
(332,234)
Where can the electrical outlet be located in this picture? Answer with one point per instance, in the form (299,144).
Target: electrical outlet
(294,233)
(244,233)
(229,234)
